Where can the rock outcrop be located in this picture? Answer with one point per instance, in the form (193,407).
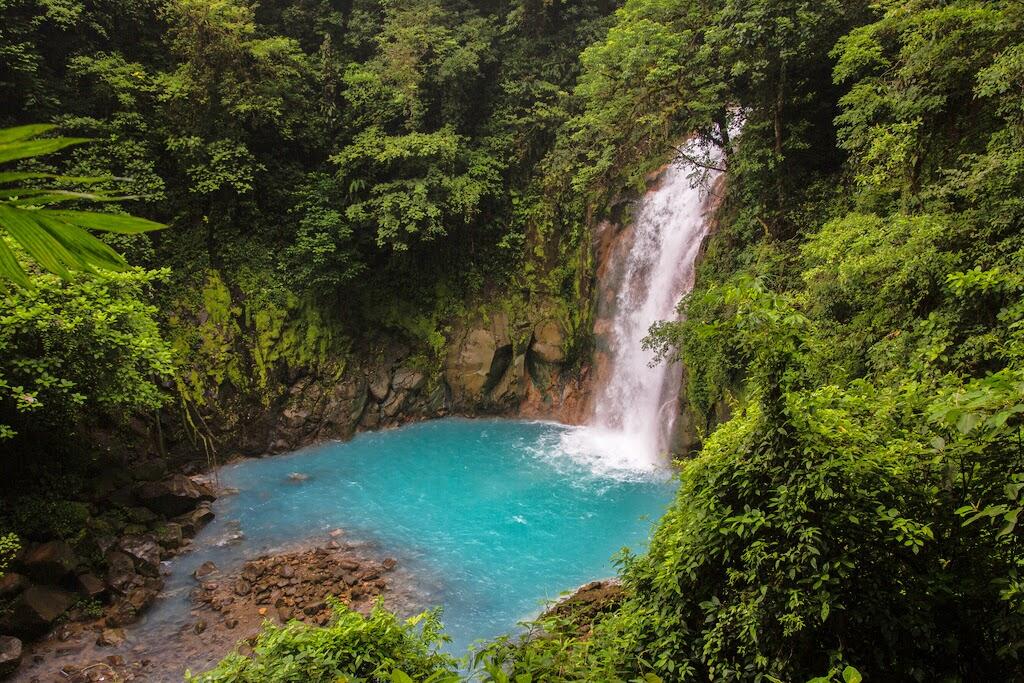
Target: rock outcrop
(173,496)
(10,655)
(35,610)
(49,562)
(588,604)
(486,366)
(292,585)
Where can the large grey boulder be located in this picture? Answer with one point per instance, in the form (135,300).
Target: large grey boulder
(379,385)
(173,496)
(409,379)
(469,363)
(36,609)
(10,655)
(394,404)
(50,562)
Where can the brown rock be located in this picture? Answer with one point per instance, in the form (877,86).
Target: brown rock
(173,496)
(111,637)
(11,584)
(142,597)
(120,571)
(548,342)
(408,379)
(10,655)
(380,385)
(396,401)
(50,562)
(192,522)
(170,535)
(35,609)
(242,587)
(145,553)
(90,586)
(204,570)
(469,362)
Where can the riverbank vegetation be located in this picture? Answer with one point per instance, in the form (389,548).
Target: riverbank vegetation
(858,313)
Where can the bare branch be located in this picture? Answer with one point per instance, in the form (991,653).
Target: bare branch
(696,162)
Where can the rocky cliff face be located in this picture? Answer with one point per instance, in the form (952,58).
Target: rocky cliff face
(499,362)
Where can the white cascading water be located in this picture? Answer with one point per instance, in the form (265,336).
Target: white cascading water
(634,405)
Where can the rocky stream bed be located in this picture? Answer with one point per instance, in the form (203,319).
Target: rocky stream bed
(227,611)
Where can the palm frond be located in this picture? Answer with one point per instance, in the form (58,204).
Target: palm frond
(58,240)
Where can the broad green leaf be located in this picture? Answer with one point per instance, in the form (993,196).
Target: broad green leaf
(17,176)
(120,223)
(10,268)
(34,148)
(47,197)
(92,251)
(851,675)
(18,133)
(50,254)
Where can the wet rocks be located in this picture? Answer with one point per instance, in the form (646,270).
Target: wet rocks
(111,637)
(49,562)
(173,496)
(170,536)
(36,609)
(589,604)
(191,522)
(90,585)
(295,585)
(120,570)
(12,583)
(379,386)
(144,552)
(204,570)
(470,362)
(10,655)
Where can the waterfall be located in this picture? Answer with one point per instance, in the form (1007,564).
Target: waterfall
(646,276)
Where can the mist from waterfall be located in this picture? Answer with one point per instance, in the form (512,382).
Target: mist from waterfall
(635,398)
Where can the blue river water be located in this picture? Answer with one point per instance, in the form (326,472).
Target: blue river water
(488,518)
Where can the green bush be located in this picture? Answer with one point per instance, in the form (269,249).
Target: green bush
(350,648)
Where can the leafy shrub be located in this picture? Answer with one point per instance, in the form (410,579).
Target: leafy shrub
(72,346)
(350,648)
(9,547)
